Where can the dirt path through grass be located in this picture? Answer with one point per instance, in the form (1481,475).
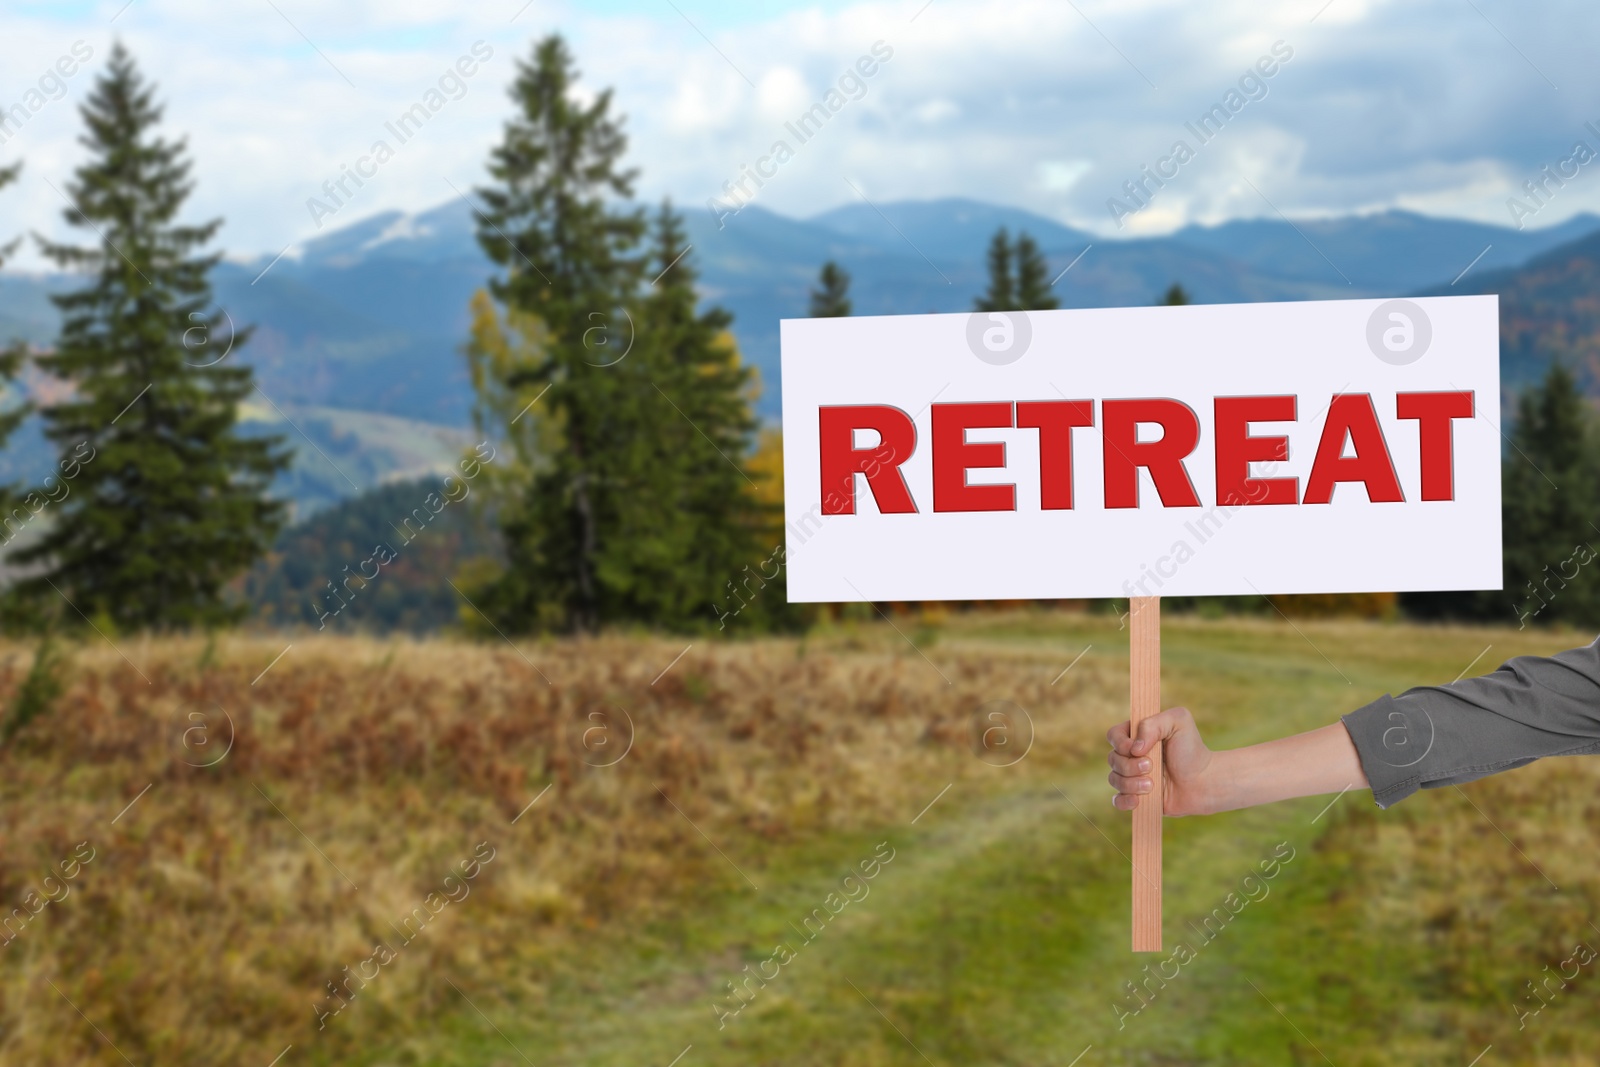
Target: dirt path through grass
(998,933)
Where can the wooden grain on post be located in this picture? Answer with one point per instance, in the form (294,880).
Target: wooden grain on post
(1144,647)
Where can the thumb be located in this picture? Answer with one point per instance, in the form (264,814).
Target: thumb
(1161,727)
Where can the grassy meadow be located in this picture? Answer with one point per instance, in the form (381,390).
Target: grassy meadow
(817,812)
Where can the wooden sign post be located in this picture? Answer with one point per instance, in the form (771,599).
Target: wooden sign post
(1144,700)
(1207,450)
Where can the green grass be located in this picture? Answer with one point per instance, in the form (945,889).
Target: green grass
(998,934)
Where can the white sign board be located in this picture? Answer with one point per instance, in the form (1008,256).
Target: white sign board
(1316,447)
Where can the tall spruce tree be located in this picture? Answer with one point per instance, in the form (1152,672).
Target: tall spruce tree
(568,250)
(635,507)
(831,298)
(1175,296)
(169,499)
(697,513)
(1549,520)
(1019,276)
(1033,277)
(1002,292)
(1551,507)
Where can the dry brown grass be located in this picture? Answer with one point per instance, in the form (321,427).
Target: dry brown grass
(208,924)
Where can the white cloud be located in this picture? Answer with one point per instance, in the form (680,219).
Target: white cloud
(937,111)
(1059,176)
(783,93)
(1423,105)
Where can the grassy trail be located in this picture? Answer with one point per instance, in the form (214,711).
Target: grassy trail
(998,933)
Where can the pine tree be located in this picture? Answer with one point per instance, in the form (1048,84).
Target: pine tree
(1550,499)
(832,299)
(568,252)
(633,503)
(1176,296)
(169,500)
(1002,292)
(1019,277)
(1549,517)
(1033,277)
(696,517)
(626,407)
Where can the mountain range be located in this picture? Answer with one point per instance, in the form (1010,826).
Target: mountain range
(358,330)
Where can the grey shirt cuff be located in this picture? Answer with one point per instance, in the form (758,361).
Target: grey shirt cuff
(1434,736)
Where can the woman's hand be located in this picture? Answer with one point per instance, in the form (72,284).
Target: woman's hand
(1202,782)
(1185,760)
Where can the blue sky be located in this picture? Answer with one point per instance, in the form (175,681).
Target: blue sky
(1441,106)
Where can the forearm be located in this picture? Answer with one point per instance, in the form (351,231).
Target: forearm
(1308,764)
(1432,736)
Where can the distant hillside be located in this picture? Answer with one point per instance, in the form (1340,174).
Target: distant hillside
(369,318)
(354,451)
(357,320)
(1548,308)
(927,256)
(1394,252)
(341,545)
(343,452)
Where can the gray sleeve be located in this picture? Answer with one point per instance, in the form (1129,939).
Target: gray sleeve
(1438,735)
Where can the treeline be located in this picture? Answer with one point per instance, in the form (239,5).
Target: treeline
(1550,485)
(630,481)
(1550,517)
(381,561)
